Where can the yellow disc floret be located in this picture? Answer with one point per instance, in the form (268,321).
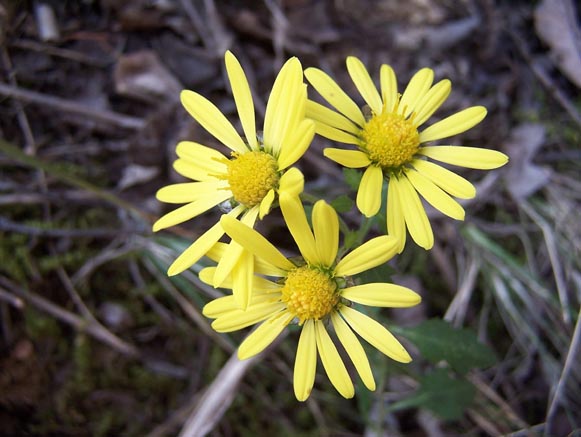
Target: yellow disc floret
(309,293)
(390,140)
(251,176)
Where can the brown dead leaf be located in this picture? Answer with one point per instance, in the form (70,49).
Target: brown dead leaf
(523,176)
(556,26)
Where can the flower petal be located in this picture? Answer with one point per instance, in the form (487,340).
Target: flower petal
(435,196)
(324,115)
(354,350)
(189,191)
(242,97)
(375,334)
(212,119)
(190,210)
(202,245)
(469,157)
(347,158)
(432,100)
(332,362)
(454,124)
(370,254)
(369,192)
(326,230)
(364,84)
(305,362)
(291,182)
(388,83)
(335,134)
(198,162)
(296,221)
(395,217)
(382,295)
(255,243)
(414,213)
(240,319)
(448,181)
(296,144)
(283,110)
(265,334)
(266,204)
(260,284)
(418,86)
(333,94)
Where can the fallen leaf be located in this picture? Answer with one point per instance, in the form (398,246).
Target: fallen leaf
(556,26)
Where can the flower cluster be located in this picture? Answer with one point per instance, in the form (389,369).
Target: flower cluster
(319,290)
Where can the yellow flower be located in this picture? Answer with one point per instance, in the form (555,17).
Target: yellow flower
(313,293)
(248,182)
(391,147)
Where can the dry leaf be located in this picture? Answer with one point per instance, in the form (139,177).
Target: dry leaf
(556,26)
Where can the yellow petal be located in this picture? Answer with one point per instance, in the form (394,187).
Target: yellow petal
(326,230)
(296,221)
(347,158)
(255,243)
(266,203)
(395,217)
(469,157)
(260,285)
(435,196)
(242,97)
(198,162)
(454,124)
(418,86)
(332,362)
(369,192)
(370,254)
(305,362)
(388,84)
(189,191)
(281,109)
(333,94)
(375,334)
(415,215)
(265,334)
(335,134)
(364,84)
(448,181)
(296,144)
(212,119)
(240,319)
(202,245)
(291,182)
(324,115)
(191,210)
(382,295)
(432,100)
(243,279)
(354,350)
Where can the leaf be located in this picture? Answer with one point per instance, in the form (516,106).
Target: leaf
(437,340)
(342,204)
(381,273)
(445,396)
(352,177)
(556,26)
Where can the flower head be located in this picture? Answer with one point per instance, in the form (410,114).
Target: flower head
(390,145)
(317,293)
(248,182)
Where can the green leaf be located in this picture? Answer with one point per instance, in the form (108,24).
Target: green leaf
(381,273)
(342,204)
(447,397)
(437,340)
(352,177)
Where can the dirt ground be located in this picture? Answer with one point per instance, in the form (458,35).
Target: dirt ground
(95,339)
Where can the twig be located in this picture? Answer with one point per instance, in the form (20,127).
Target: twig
(59,104)
(572,359)
(16,302)
(73,55)
(217,398)
(8,225)
(457,309)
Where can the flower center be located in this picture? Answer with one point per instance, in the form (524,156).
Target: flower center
(390,139)
(251,176)
(309,293)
